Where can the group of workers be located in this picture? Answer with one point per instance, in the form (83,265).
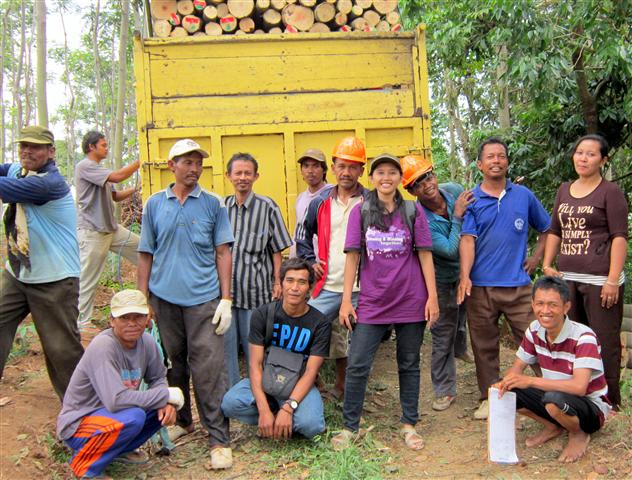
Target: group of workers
(363,263)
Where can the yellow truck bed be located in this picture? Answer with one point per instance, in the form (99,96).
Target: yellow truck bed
(274,96)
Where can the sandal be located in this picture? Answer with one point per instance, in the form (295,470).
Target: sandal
(343,439)
(412,439)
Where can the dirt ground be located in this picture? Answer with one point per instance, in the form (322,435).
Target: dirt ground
(456,444)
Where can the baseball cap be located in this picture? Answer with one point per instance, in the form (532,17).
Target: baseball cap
(128,301)
(313,154)
(385,158)
(186,145)
(36,134)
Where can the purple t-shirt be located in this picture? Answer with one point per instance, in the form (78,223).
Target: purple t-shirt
(393,289)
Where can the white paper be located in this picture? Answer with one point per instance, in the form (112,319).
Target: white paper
(502,427)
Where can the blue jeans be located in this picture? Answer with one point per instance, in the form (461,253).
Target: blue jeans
(102,436)
(365,341)
(309,417)
(236,335)
(448,340)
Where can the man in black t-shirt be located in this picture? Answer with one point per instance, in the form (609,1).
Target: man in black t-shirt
(298,328)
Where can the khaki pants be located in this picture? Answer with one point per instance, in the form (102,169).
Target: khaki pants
(484,307)
(94,247)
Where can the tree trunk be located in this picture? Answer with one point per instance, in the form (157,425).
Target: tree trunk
(453,112)
(3,46)
(42,104)
(71,141)
(119,117)
(504,118)
(98,83)
(297,16)
(589,103)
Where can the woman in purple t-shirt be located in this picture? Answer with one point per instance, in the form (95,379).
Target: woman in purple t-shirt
(397,287)
(589,229)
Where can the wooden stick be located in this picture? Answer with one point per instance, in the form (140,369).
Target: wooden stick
(191,23)
(240,32)
(213,29)
(356,11)
(259,31)
(275,30)
(162,28)
(393,17)
(307,3)
(290,29)
(371,17)
(209,13)
(345,28)
(383,26)
(247,25)
(344,6)
(359,24)
(217,2)
(271,18)
(384,6)
(298,16)
(179,32)
(290,1)
(240,8)
(340,19)
(325,12)
(319,27)
(199,5)
(228,23)
(185,7)
(262,5)
(364,4)
(162,9)
(174,19)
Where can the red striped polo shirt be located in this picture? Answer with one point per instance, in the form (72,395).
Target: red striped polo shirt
(576,346)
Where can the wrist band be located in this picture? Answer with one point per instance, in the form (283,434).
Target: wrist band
(612,284)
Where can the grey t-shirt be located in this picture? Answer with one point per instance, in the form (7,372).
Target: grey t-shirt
(108,376)
(95,208)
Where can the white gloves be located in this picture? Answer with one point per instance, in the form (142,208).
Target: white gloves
(176,398)
(223,316)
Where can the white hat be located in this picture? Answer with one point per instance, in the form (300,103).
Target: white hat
(186,145)
(128,301)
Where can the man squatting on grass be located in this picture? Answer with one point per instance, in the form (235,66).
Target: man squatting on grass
(571,395)
(300,328)
(104,416)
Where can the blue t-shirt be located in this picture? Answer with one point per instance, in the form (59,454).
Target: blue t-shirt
(501,227)
(182,240)
(51,220)
(446,233)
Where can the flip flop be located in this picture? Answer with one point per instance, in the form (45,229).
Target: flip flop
(412,439)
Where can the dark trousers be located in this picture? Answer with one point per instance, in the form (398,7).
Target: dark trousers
(449,339)
(606,323)
(484,307)
(365,340)
(54,309)
(196,352)
(535,400)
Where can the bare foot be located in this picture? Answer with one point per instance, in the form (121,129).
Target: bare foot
(577,444)
(547,433)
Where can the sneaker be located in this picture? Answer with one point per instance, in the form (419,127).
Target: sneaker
(221,458)
(467,357)
(176,431)
(482,411)
(443,403)
(135,457)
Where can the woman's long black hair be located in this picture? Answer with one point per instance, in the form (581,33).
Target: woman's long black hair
(378,212)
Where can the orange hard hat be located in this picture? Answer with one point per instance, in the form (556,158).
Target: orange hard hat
(413,167)
(350,149)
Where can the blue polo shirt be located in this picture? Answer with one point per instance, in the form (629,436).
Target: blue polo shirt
(446,235)
(51,222)
(501,227)
(182,239)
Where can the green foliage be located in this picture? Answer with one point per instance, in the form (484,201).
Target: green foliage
(24,337)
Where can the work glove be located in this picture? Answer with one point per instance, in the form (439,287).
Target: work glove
(175,397)
(223,316)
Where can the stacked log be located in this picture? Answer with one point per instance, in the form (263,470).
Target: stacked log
(179,18)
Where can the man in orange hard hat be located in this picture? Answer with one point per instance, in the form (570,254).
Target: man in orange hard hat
(444,205)
(327,217)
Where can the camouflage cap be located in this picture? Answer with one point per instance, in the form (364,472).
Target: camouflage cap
(36,134)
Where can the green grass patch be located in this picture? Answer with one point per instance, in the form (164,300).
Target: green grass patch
(24,337)
(57,451)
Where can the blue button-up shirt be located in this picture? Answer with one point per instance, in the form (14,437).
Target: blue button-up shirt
(501,227)
(446,235)
(182,240)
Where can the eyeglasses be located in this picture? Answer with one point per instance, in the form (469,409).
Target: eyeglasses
(425,177)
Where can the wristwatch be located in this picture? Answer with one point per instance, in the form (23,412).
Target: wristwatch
(292,403)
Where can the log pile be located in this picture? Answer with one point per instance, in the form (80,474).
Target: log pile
(179,18)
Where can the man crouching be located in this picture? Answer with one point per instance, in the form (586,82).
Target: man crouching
(104,416)
(571,395)
(288,343)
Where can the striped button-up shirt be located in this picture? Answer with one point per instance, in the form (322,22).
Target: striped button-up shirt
(259,232)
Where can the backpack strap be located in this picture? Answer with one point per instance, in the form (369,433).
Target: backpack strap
(270,308)
(410,214)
